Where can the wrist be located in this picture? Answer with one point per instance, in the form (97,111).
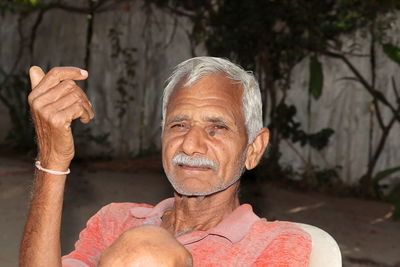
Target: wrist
(54,172)
(54,164)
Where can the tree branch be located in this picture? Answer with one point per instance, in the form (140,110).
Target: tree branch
(373,75)
(395,91)
(34,29)
(305,162)
(381,145)
(376,94)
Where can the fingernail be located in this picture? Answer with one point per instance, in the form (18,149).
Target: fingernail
(84,73)
(90,103)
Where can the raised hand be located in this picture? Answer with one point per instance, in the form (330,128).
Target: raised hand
(55,101)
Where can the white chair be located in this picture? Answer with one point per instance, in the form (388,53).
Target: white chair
(325,251)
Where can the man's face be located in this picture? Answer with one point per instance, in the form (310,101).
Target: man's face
(204,138)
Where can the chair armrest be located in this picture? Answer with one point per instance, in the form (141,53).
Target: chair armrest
(325,251)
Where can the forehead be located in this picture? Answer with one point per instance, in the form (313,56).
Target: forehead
(214,90)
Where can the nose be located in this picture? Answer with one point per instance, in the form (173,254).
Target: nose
(195,141)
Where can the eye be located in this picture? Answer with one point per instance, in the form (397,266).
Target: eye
(214,129)
(220,127)
(178,125)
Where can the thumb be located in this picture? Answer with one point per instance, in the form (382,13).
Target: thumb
(36,74)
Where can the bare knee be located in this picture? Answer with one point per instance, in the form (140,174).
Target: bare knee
(146,246)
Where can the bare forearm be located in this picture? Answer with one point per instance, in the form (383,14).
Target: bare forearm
(41,239)
(55,102)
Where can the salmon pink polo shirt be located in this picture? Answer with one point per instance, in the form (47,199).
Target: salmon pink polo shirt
(240,239)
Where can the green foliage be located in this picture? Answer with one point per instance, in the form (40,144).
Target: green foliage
(380,176)
(26,2)
(316,78)
(19,6)
(327,176)
(124,83)
(320,139)
(393,52)
(241,31)
(287,126)
(393,196)
(315,177)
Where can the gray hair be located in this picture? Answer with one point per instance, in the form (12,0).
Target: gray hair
(195,68)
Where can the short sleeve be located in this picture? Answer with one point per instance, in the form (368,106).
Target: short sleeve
(101,231)
(291,247)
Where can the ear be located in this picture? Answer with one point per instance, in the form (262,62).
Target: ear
(257,148)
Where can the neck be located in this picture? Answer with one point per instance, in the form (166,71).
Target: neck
(200,212)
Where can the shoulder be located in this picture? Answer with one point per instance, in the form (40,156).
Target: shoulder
(115,213)
(273,230)
(277,235)
(276,243)
(122,207)
(282,243)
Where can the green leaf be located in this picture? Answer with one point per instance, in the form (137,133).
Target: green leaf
(394,194)
(316,78)
(382,174)
(320,139)
(394,198)
(393,52)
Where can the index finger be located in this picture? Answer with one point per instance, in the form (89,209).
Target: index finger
(59,74)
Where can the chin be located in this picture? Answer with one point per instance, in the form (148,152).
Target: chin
(199,191)
(188,190)
(194,187)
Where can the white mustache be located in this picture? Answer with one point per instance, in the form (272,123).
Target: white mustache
(182,159)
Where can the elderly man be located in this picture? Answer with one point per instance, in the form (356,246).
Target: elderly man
(211,131)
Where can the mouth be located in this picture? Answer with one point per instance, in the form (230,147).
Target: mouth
(194,168)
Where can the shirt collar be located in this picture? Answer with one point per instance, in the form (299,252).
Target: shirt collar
(156,211)
(234,227)
(237,224)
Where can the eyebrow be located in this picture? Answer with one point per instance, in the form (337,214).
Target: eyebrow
(215,120)
(211,119)
(178,118)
